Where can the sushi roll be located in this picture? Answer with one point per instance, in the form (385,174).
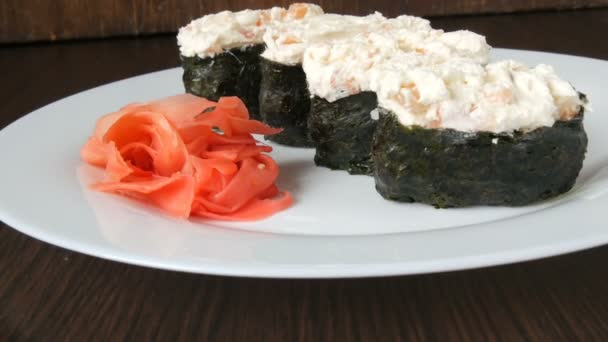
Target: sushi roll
(342,132)
(284,96)
(343,113)
(220,52)
(463,134)
(232,72)
(285,102)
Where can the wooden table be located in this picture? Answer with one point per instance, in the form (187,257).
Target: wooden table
(48,293)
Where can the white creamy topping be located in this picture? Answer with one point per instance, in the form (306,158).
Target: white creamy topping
(465,96)
(286,42)
(437,79)
(427,77)
(339,69)
(334,71)
(215,33)
(409,22)
(461,43)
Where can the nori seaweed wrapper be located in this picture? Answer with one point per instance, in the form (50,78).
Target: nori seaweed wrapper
(449,168)
(285,102)
(235,72)
(342,132)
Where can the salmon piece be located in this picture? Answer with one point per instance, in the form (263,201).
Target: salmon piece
(248,34)
(265,18)
(502,96)
(291,40)
(297,10)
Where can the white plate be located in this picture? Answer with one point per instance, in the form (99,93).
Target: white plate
(339,226)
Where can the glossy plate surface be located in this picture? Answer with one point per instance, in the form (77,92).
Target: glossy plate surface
(339,226)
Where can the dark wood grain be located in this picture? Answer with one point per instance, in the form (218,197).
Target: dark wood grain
(51,294)
(32,20)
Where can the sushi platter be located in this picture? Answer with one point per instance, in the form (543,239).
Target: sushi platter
(406,150)
(451,128)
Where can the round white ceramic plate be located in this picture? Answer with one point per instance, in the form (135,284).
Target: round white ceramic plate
(338,227)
